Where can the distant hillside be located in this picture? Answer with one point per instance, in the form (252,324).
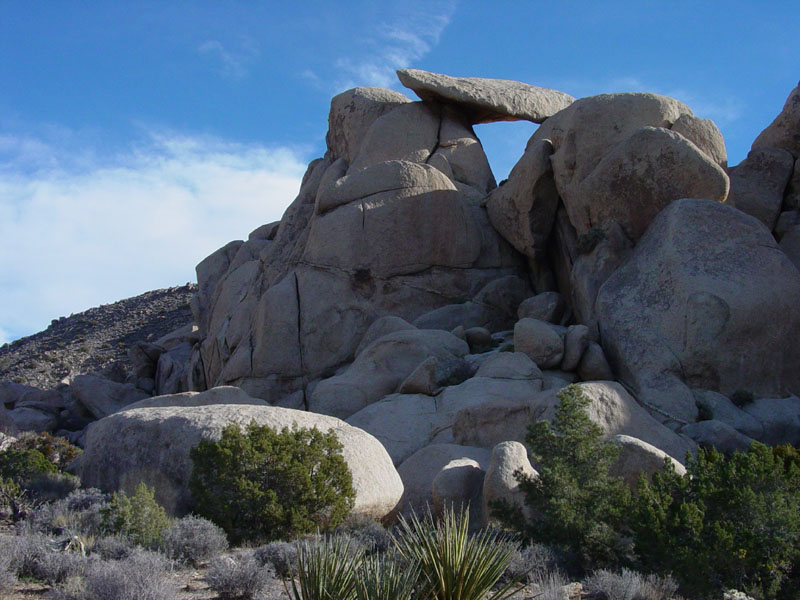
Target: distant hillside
(96,340)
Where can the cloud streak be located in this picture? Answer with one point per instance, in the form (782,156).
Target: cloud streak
(407,34)
(72,238)
(231,63)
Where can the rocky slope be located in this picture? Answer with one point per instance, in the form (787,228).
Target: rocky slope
(96,340)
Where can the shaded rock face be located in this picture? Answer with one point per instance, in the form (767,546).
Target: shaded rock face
(388,223)
(705,300)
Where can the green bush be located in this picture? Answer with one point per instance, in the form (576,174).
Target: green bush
(579,507)
(259,484)
(138,517)
(54,448)
(23,465)
(728,523)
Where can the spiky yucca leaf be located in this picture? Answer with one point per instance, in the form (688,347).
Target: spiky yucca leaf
(385,579)
(325,570)
(454,565)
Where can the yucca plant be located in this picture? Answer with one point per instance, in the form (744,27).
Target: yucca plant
(326,570)
(381,578)
(454,565)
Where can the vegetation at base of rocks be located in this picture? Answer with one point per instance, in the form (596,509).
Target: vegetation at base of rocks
(729,522)
(588,241)
(193,540)
(239,577)
(578,505)
(54,448)
(280,556)
(630,585)
(139,576)
(22,465)
(138,517)
(259,484)
(453,564)
(49,487)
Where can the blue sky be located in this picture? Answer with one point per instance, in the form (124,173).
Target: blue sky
(137,137)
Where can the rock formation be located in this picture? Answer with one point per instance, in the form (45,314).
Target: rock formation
(439,314)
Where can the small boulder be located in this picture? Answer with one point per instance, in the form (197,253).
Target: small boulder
(719,435)
(500,483)
(419,471)
(780,418)
(637,458)
(459,487)
(575,343)
(594,365)
(539,341)
(758,183)
(509,365)
(547,306)
(101,397)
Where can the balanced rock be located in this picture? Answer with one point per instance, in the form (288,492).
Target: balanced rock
(487,100)
(539,341)
(705,300)
(153,445)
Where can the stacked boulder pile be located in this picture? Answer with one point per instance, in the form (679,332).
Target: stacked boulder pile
(428,315)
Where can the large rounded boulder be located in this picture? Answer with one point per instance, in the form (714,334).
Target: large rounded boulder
(153,445)
(706,300)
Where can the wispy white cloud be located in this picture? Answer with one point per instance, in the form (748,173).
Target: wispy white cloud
(71,239)
(231,63)
(404,37)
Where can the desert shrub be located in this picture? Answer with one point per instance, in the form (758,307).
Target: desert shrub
(80,513)
(630,585)
(49,487)
(22,465)
(239,577)
(54,448)
(280,556)
(365,530)
(578,506)
(325,569)
(138,517)
(454,565)
(729,522)
(26,551)
(193,540)
(529,563)
(55,567)
(7,575)
(548,585)
(15,503)
(112,547)
(141,576)
(263,484)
